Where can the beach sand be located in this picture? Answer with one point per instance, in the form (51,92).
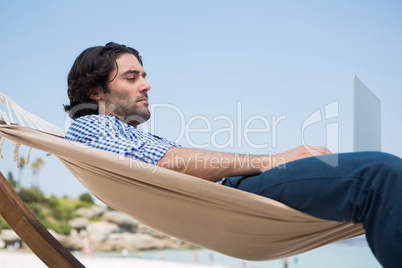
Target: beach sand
(23,259)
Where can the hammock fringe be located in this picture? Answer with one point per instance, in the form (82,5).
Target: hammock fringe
(33,121)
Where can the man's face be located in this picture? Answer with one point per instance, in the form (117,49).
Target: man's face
(127,98)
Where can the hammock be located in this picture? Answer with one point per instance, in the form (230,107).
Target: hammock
(222,219)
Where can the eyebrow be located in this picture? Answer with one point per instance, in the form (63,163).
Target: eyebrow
(144,74)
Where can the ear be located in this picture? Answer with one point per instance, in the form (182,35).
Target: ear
(97,94)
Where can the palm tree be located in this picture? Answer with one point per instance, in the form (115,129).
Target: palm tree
(36,165)
(11,180)
(20,168)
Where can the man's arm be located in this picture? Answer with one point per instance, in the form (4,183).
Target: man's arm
(214,166)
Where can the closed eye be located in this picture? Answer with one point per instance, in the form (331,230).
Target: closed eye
(134,74)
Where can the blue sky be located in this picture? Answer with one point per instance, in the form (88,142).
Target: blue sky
(205,59)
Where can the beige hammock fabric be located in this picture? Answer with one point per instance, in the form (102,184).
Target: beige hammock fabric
(220,218)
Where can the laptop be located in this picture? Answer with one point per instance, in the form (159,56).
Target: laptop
(366,118)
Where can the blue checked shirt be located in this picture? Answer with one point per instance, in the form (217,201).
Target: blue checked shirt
(107,133)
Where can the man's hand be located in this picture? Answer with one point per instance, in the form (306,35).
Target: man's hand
(214,166)
(300,152)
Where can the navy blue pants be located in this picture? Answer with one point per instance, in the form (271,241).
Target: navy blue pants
(363,188)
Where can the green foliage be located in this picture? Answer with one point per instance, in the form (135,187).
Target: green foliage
(87,198)
(80,204)
(95,218)
(62,228)
(22,162)
(62,209)
(3,224)
(54,213)
(30,195)
(11,180)
(38,210)
(36,165)
(52,201)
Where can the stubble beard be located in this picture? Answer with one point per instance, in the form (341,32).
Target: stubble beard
(126,110)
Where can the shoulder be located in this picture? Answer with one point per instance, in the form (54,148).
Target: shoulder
(93,118)
(90,121)
(92,124)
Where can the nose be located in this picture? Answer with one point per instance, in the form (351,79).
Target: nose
(145,87)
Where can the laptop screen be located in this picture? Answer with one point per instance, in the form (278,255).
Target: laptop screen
(366,118)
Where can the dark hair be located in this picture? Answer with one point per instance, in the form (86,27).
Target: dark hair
(90,71)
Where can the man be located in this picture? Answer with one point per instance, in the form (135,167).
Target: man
(108,96)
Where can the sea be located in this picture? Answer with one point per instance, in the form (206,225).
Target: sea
(351,253)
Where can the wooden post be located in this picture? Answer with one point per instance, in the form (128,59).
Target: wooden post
(31,231)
